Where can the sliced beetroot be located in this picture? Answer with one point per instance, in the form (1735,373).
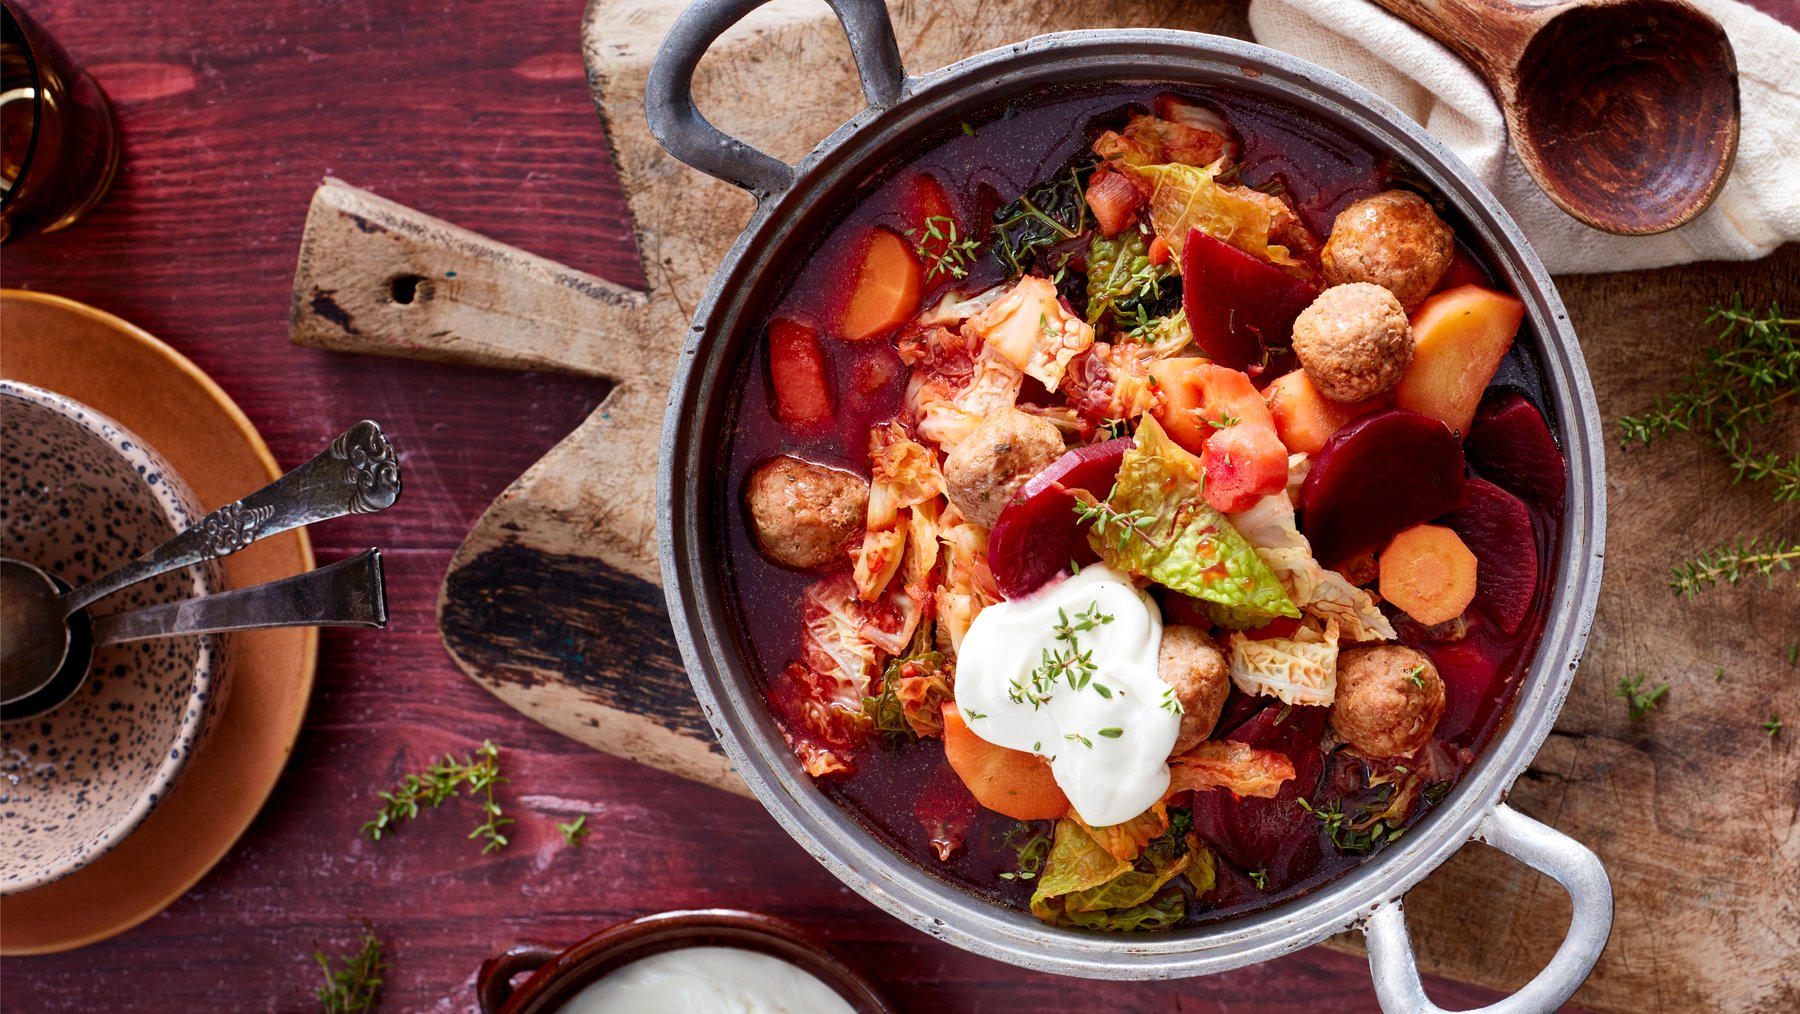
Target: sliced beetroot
(1274,835)
(1509,444)
(1038,533)
(1496,526)
(1237,303)
(1378,475)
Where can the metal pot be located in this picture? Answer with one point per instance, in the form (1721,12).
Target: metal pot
(794,202)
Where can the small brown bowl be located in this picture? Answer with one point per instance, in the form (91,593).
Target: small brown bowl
(557,975)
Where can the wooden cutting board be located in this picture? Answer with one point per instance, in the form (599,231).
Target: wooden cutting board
(552,603)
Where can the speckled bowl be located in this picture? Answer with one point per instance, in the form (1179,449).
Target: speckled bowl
(80,495)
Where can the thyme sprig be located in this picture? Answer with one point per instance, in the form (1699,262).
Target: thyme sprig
(951,255)
(1732,562)
(1349,835)
(1642,701)
(1033,852)
(356,986)
(1753,370)
(574,831)
(1103,516)
(441,781)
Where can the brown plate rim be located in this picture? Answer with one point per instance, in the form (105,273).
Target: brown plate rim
(305,664)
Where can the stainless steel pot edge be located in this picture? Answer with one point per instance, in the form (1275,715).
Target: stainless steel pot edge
(1368,891)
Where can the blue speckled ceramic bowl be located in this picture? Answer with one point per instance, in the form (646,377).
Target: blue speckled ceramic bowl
(80,495)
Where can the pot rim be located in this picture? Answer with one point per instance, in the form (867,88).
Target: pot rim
(735,709)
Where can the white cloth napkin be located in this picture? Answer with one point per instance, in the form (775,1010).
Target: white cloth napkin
(1758,209)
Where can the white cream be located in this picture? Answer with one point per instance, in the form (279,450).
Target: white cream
(708,980)
(1108,778)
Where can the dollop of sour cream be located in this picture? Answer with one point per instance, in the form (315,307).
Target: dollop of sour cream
(708,980)
(1107,729)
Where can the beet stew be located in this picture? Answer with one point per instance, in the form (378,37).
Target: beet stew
(1140,506)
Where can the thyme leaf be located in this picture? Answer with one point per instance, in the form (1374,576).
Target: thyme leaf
(479,774)
(1733,395)
(1642,701)
(356,986)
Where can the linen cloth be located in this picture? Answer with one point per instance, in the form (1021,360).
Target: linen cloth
(1757,210)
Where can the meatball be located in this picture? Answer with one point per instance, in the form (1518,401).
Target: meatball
(1389,700)
(1394,240)
(984,471)
(1190,663)
(804,515)
(1354,342)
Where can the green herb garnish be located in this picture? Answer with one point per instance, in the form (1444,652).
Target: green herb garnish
(441,781)
(574,831)
(1733,562)
(951,256)
(356,987)
(1733,395)
(1642,701)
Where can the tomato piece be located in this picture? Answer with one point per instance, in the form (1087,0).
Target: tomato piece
(797,367)
(1218,414)
(1009,782)
(886,289)
(1159,250)
(1114,200)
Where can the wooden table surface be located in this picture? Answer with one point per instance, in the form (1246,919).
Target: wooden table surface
(477,112)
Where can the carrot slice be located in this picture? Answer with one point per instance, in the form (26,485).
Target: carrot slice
(886,291)
(1009,782)
(1428,573)
(797,366)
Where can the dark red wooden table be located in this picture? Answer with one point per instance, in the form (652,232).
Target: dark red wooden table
(476,112)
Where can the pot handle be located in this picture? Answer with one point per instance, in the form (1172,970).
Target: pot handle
(690,137)
(1544,849)
(493,984)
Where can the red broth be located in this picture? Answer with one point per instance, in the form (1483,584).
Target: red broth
(902,795)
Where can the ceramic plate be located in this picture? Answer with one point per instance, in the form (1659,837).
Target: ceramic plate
(147,386)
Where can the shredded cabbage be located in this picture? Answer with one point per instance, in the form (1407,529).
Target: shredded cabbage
(949,409)
(1184,197)
(1300,670)
(1158,525)
(1084,885)
(1029,326)
(1228,764)
(1126,841)
(1269,526)
(968,586)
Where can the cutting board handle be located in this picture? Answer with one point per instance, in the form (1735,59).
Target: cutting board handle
(691,137)
(378,277)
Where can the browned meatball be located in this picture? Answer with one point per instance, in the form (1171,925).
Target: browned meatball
(1394,240)
(984,471)
(1389,700)
(1354,342)
(805,515)
(1190,662)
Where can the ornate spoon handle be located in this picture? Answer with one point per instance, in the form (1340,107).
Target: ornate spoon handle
(358,474)
(348,593)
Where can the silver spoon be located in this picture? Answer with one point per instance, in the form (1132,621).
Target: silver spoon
(358,474)
(348,593)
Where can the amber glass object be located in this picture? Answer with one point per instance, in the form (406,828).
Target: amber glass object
(59,140)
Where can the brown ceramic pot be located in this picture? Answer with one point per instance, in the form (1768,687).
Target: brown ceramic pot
(557,975)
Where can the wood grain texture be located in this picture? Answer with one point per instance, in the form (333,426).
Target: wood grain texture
(232,111)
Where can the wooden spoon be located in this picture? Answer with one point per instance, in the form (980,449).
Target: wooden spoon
(1625,112)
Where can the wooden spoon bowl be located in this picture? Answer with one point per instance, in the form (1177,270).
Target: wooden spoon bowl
(1625,112)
